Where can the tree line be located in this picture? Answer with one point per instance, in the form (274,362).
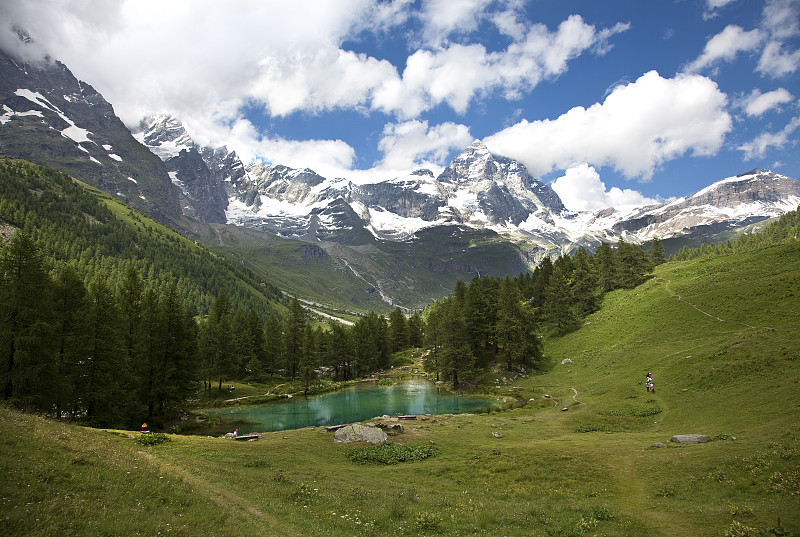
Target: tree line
(109,354)
(786,228)
(494,320)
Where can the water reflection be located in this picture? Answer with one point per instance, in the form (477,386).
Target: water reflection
(360,402)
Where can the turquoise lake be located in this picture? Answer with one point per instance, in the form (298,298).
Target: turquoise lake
(360,402)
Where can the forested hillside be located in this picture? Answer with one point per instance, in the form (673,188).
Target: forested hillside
(103,311)
(101,238)
(494,320)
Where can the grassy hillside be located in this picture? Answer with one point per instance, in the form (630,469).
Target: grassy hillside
(719,336)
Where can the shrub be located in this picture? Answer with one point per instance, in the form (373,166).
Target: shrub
(152,439)
(391,453)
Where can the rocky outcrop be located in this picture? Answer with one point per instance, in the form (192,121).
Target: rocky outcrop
(360,433)
(690,438)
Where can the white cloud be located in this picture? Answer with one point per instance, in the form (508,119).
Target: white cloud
(759,146)
(781,18)
(713,5)
(775,62)
(581,189)
(635,129)
(413,143)
(757,103)
(443,17)
(457,74)
(725,46)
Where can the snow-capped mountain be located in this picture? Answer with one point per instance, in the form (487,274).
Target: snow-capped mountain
(478,190)
(51,118)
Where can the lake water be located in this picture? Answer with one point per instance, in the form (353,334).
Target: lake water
(360,402)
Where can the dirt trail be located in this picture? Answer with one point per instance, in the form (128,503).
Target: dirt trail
(681,299)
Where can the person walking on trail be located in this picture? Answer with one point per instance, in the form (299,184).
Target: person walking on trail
(648,383)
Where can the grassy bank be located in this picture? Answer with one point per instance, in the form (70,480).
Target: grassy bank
(719,336)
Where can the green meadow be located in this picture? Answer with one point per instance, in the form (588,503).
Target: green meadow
(719,335)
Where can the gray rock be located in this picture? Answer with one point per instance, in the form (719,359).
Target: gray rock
(690,438)
(360,433)
(659,445)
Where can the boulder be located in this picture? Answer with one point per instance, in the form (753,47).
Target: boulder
(659,445)
(690,438)
(566,361)
(357,432)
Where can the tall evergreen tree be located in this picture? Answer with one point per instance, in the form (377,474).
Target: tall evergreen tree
(26,325)
(517,328)
(585,284)
(657,251)
(398,330)
(273,344)
(71,314)
(294,329)
(106,370)
(606,262)
(416,330)
(559,304)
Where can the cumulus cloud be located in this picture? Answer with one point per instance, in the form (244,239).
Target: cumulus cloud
(780,23)
(581,189)
(413,143)
(457,74)
(637,127)
(758,147)
(757,103)
(726,45)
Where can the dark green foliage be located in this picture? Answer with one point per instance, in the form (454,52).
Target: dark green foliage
(392,453)
(152,439)
(27,325)
(72,222)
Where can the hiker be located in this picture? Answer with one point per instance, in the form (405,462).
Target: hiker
(236,433)
(144,429)
(648,383)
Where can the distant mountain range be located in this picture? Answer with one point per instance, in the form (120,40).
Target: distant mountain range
(478,190)
(404,239)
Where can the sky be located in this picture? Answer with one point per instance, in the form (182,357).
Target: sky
(611,102)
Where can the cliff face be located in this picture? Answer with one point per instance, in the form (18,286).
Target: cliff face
(51,118)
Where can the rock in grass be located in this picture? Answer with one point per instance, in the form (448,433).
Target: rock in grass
(659,445)
(360,433)
(690,438)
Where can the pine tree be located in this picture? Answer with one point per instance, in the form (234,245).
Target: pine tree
(416,330)
(559,304)
(606,261)
(105,371)
(657,251)
(294,329)
(517,328)
(273,344)
(71,332)
(26,325)
(398,330)
(309,360)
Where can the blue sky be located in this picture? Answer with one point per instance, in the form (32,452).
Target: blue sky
(613,103)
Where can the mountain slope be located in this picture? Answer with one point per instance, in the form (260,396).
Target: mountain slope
(51,118)
(77,224)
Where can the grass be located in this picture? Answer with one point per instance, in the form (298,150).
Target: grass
(590,470)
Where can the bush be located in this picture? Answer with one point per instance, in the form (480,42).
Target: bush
(391,454)
(152,439)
